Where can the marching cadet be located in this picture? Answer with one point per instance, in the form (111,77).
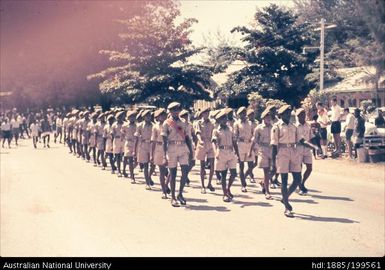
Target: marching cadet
(274,119)
(177,149)
(139,119)
(262,137)
(109,137)
(73,130)
(191,133)
(143,145)
(129,129)
(118,140)
(254,123)
(204,149)
(65,128)
(34,132)
(85,135)
(100,140)
(304,147)
(92,131)
(215,123)
(59,127)
(157,154)
(284,138)
(46,130)
(79,135)
(243,134)
(224,144)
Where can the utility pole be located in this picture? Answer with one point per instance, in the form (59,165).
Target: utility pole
(322,56)
(322,50)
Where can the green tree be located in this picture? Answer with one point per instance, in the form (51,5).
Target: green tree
(153,65)
(274,64)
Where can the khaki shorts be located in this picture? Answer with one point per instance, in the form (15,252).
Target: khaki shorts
(306,155)
(244,149)
(129,148)
(92,141)
(177,154)
(204,151)
(100,143)
(288,160)
(144,149)
(226,160)
(265,155)
(158,155)
(109,148)
(118,146)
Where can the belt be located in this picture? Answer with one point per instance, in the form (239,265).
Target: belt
(145,141)
(176,142)
(130,140)
(286,145)
(225,147)
(159,143)
(243,140)
(264,144)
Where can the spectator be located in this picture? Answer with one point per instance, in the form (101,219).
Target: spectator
(349,131)
(323,120)
(380,121)
(336,126)
(359,130)
(315,134)
(6,131)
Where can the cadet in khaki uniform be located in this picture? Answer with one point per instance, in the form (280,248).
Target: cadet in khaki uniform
(157,153)
(177,149)
(118,140)
(109,137)
(212,116)
(224,143)
(78,126)
(284,138)
(204,148)
(243,134)
(129,130)
(91,129)
(74,130)
(184,115)
(274,119)
(100,140)
(304,148)
(143,146)
(85,135)
(262,137)
(254,123)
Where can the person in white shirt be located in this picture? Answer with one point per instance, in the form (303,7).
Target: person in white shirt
(6,130)
(59,128)
(336,126)
(15,127)
(34,133)
(323,120)
(349,131)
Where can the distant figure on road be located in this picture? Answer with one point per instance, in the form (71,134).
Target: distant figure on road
(6,132)
(380,121)
(34,132)
(46,130)
(336,126)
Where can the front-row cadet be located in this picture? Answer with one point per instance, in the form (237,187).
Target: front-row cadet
(262,136)
(177,149)
(157,154)
(224,144)
(286,158)
(129,130)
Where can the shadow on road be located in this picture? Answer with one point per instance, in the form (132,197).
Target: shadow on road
(207,208)
(332,198)
(304,201)
(324,219)
(244,204)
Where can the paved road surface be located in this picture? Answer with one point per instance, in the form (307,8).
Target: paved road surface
(53,204)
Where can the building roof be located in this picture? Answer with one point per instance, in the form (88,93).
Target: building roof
(355,80)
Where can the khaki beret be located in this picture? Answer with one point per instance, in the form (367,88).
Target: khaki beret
(101,116)
(120,114)
(86,113)
(173,105)
(249,111)
(183,113)
(221,114)
(145,112)
(298,111)
(203,111)
(94,115)
(110,117)
(265,112)
(159,112)
(130,113)
(241,110)
(270,107)
(228,110)
(74,112)
(284,108)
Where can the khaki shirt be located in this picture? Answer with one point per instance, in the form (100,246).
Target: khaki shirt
(171,133)
(304,132)
(156,135)
(143,131)
(223,136)
(243,130)
(205,129)
(117,131)
(107,132)
(262,134)
(282,133)
(129,131)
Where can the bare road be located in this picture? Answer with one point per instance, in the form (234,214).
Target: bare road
(53,204)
